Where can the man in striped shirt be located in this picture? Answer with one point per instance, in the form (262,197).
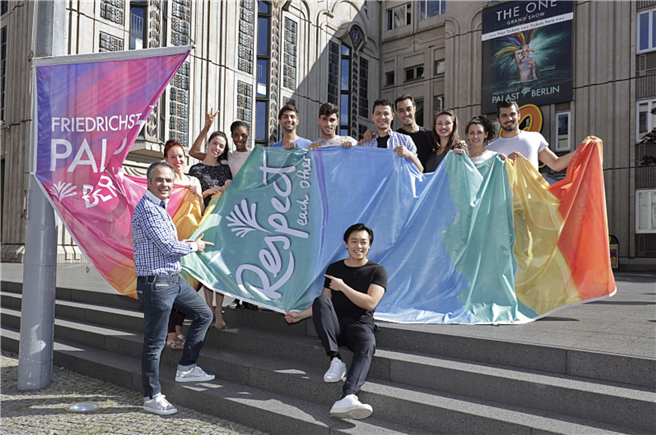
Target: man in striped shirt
(157,253)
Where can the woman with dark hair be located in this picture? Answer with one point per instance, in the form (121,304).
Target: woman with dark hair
(212,172)
(479,131)
(174,154)
(214,175)
(240,132)
(443,137)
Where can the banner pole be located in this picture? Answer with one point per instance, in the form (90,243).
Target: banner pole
(35,360)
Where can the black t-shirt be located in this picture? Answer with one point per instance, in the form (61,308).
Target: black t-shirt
(359,279)
(420,139)
(382,141)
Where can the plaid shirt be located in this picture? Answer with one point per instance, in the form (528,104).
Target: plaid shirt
(157,250)
(395,140)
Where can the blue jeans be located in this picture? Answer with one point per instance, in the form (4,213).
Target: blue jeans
(157,295)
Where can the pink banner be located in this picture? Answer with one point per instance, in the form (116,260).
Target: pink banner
(90,109)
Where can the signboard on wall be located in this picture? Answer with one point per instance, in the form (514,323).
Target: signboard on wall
(527,53)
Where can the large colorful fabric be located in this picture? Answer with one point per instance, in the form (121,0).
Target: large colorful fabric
(493,244)
(90,109)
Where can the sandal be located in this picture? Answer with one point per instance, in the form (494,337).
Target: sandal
(174,344)
(217,326)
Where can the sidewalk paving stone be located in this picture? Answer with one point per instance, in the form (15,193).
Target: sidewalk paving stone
(44,411)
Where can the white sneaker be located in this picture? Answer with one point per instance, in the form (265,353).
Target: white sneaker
(159,405)
(351,407)
(336,372)
(194,375)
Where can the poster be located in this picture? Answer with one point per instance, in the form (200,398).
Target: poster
(527,53)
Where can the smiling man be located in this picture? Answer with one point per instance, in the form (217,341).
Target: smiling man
(406,110)
(157,253)
(383,115)
(328,122)
(288,119)
(344,315)
(532,145)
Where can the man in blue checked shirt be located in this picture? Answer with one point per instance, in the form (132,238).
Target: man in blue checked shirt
(385,137)
(157,253)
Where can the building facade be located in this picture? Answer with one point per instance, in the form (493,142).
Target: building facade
(252,57)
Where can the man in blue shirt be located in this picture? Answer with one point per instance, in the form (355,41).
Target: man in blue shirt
(382,115)
(288,120)
(157,253)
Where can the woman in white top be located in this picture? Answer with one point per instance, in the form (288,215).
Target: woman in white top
(240,132)
(479,131)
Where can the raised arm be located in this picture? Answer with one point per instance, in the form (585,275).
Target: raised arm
(195,151)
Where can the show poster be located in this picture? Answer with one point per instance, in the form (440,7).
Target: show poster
(527,53)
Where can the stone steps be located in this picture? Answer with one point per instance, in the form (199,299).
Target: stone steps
(283,365)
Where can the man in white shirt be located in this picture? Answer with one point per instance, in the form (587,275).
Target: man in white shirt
(328,122)
(532,145)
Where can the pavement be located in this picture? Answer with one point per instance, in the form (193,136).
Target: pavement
(44,411)
(624,324)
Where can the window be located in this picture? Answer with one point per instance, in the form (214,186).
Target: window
(438,104)
(419,113)
(399,16)
(263,61)
(111,10)
(414,73)
(389,78)
(339,81)
(333,72)
(137,28)
(4,7)
(645,120)
(245,41)
(646,30)
(431,8)
(289,60)
(364,88)
(345,91)
(438,67)
(646,211)
(563,130)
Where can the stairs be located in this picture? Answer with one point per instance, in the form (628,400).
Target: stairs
(269,375)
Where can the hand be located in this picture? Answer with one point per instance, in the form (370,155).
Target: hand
(368,135)
(193,189)
(503,156)
(288,145)
(512,156)
(403,152)
(336,284)
(209,119)
(346,142)
(225,186)
(293,316)
(212,191)
(458,150)
(201,243)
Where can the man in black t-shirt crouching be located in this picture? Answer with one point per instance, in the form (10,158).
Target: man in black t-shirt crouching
(344,315)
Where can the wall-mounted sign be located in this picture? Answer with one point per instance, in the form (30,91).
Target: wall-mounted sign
(527,53)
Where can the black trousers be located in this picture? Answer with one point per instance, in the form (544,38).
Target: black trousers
(334,330)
